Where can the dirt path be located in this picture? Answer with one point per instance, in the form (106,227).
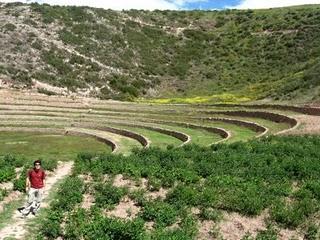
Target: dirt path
(309,125)
(17,229)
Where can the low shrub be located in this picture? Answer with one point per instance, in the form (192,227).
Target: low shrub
(14,161)
(19,184)
(51,227)
(210,214)
(69,194)
(116,229)
(7,173)
(162,213)
(292,215)
(107,195)
(269,234)
(49,164)
(183,195)
(312,232)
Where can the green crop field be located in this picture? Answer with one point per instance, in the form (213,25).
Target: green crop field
(242,177)
(47,146)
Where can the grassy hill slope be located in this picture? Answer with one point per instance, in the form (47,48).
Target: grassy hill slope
(221,55)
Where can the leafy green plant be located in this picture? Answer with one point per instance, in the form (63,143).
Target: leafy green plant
(19,184)
(210,214)
(14,160)
(162,213)
(292,215)
(51,228)
(107,195)
(49,164)
(7,173)
(70,193)
(312,232)
(269,234)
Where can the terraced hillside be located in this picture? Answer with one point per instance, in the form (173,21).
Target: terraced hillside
(57,129)
(123,126)
(192,56)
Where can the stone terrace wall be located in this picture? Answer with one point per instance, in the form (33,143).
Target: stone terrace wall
(108,142)
(301,109)
(251,125)
(274,117)
(141,139)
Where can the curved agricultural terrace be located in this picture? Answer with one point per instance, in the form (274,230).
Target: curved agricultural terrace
(123,126)
(57,129)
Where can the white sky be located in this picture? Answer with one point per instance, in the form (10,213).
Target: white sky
(273,3)
(169,4)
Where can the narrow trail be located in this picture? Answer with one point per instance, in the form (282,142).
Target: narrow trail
(17,228)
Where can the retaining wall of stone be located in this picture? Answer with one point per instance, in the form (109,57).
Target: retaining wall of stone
(181,136)
(274,117)
(250,125)
(301,109)
(108,142)
(221,132)
(141,139)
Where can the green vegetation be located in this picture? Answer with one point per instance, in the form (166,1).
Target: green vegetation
(8,27)
(275,173)
(198,136)
(47,146)
(107,195)
(185,56)
(3,194)
(69,194)
(8,163)
(9,209)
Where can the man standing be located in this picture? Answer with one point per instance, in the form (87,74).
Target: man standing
(35,184)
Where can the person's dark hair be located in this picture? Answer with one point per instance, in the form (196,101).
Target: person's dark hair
(37,161)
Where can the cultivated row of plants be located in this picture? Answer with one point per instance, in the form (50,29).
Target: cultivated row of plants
(278,175)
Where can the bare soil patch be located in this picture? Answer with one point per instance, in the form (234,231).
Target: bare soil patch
(88,201)
(126,209)
(309,125)
(235,226)
(121,181)
(149,226)
(11,197)
(86,178)
(162,193)
(285,234)
(6,185)
(205,228)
